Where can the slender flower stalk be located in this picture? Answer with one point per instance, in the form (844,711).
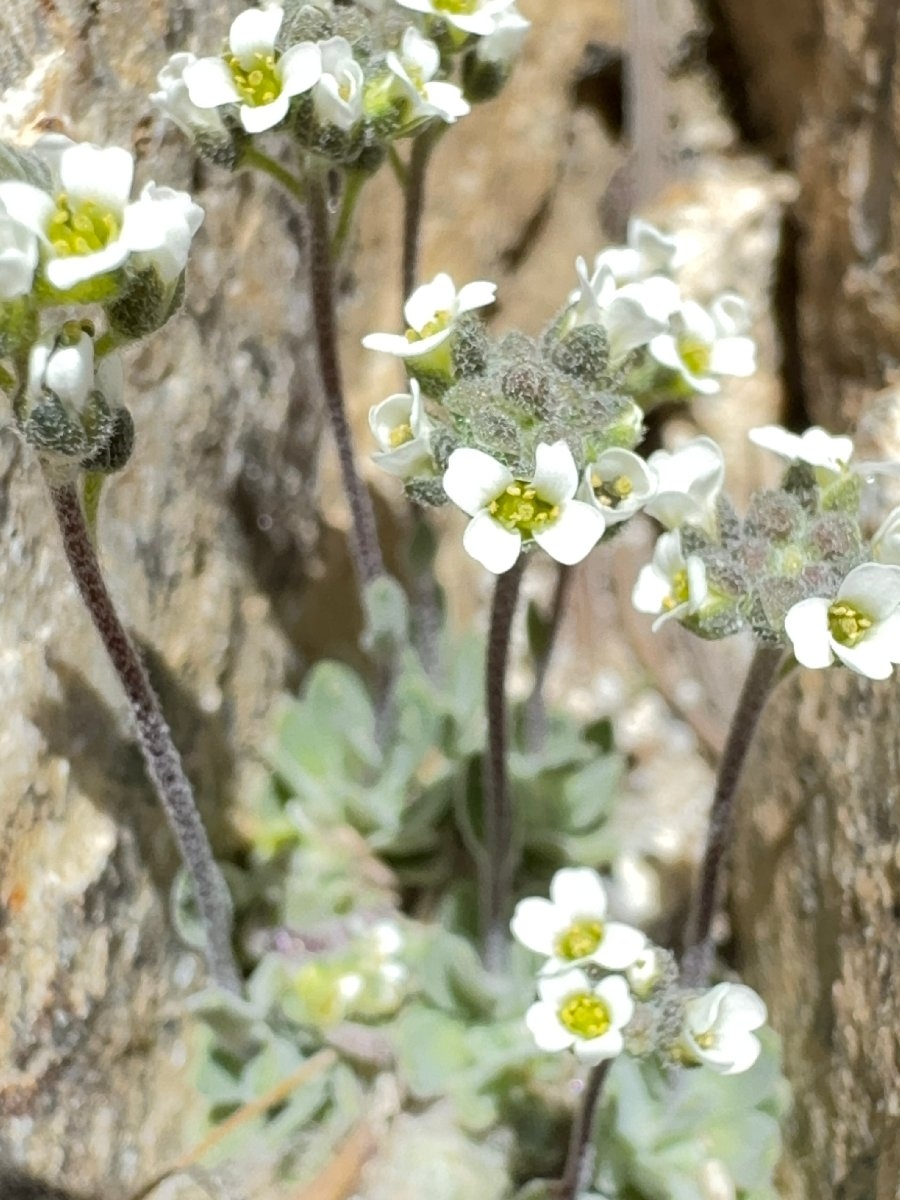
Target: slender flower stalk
(579,1155)
(364,541)
(253,157)
(699,947)
(535,709)
(160,754)
(414,204)
(495,882)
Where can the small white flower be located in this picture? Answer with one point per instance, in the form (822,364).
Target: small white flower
(644,973)
(480,17)
(504,45)
(430,313)
(253,74)
(173,101)
(159,228)
(671,585)
(886,542)
(632,315)
(338,93)
(574,1013)
(506,511)
(701,344)
(688,483)
(648,252)
(415,67)
(814,447)
(718,1028)
(61,363)
(619,483)
(860,626)
(401,429)
(18,256)
(571,926)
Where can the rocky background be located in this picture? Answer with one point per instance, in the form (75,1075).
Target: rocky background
(224,539)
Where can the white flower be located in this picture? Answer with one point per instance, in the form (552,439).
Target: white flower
(701,344)
(814,447)
(688,483)
(671,585)
(338,93)
(506,511)
(401,428)
(860,626)
(571,926)
(18,256)
(88,228)
(503,46)
(644,973)
(648,252)
(415,68)
(718,1025)
(886,542)
(61,364)
(174,101)
(430,313)
(619,483)
(480,17)
(632,315)
(575,1013)
(253,74)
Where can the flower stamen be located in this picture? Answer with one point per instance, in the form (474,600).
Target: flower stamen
(520,508)
(585,1015)
(579,940)
(258,84)
(847,624)
(82,229)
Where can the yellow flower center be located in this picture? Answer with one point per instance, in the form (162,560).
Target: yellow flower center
(847,624)
(680,593)
(695,355)
(520,508)
(437,324)
(83,228)
(258,84)
(585,1015)
(705,1041)
(457,7)
(579,940)
(611,492)
(400,435)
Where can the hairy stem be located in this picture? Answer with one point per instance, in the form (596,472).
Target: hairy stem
(535,711)
(253,157)
(495,882)
(699,946)
(366,551)
(160,754)
(414,205)
(579,1155)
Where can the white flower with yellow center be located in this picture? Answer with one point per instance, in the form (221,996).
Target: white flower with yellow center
(648,252)
(718,1028)
(18,256)
(702,344)
(253,74)
(575,1013)
(671,586)
(401,428)
(61,364)
(415,66)
(87,227)
(860,625)
(430,313)
(619,483)
(507,511)
(173,101)
(480,17)
(688,483)
(572,927)
(338,92)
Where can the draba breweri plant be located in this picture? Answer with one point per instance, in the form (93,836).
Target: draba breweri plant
(390,922)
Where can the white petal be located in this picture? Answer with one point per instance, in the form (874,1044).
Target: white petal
(210,83)
(664,349)
(650,591)
(536,923)
(697,322)
(574,534)
(490,544)
(744,1051)
(428,300)
(65,273)
(865,658)
(254,32)
(90,173)
(741,1008)
(336,54)
(594,1050)
(300,68)
(449,101)
(545,1027)
(555,474)
(578,892)
(257,118)
(28,205)
(733,356)
(475,295)
(473,479)
(557,987)
(385,417)
(873,588)
(622,945)
(412,458)
(421,52)
(731,314)
(629,326)
(615,992)
(779,441)
(806,625)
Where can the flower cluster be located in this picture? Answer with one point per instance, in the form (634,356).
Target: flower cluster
(604,988)
(344,82)
(70,234)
